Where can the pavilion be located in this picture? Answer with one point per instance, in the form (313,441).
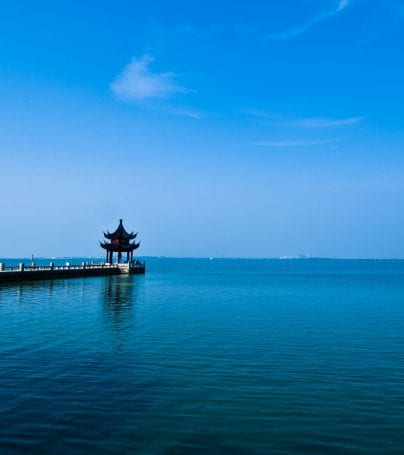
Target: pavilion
(120,242)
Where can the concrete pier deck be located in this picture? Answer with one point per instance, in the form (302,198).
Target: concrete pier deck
(51,271)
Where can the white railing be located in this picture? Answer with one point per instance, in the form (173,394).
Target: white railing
(84,265)
(32,268)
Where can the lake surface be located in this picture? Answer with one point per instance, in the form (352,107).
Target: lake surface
(208,357)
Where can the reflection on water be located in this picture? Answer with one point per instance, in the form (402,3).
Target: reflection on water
(27,291)
(118,291)
(119,295)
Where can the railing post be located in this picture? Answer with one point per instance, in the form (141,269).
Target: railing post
(1,266)
(21,266)
(52,265)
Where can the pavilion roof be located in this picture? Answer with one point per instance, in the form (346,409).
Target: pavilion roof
(120,233)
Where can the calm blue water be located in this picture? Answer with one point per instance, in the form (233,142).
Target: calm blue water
(209,357)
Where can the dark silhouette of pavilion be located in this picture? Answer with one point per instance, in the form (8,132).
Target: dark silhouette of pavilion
(120,242)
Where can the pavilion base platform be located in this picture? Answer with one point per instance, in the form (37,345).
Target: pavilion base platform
(51,272)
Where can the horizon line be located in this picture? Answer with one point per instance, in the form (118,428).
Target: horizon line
(211,258)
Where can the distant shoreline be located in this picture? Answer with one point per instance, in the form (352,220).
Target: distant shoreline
(286,258)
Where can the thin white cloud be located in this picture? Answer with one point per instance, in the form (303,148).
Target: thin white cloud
(185,112)
(327,122)
(309,122)
(137,82)
(297,143)
(293,32)
(343,4)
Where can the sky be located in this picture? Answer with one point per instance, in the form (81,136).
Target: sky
(213,128)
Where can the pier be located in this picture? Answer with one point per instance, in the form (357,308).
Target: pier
(51,271)
(120,241)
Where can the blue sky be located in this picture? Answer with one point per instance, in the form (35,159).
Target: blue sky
(214,128)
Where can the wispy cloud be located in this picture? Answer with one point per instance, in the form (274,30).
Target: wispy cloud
(294,143)
(137,82)
(185,112)
(293,32)
(303,127)
(306,122)
(327,122)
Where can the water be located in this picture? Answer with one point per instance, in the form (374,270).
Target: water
(212,357)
